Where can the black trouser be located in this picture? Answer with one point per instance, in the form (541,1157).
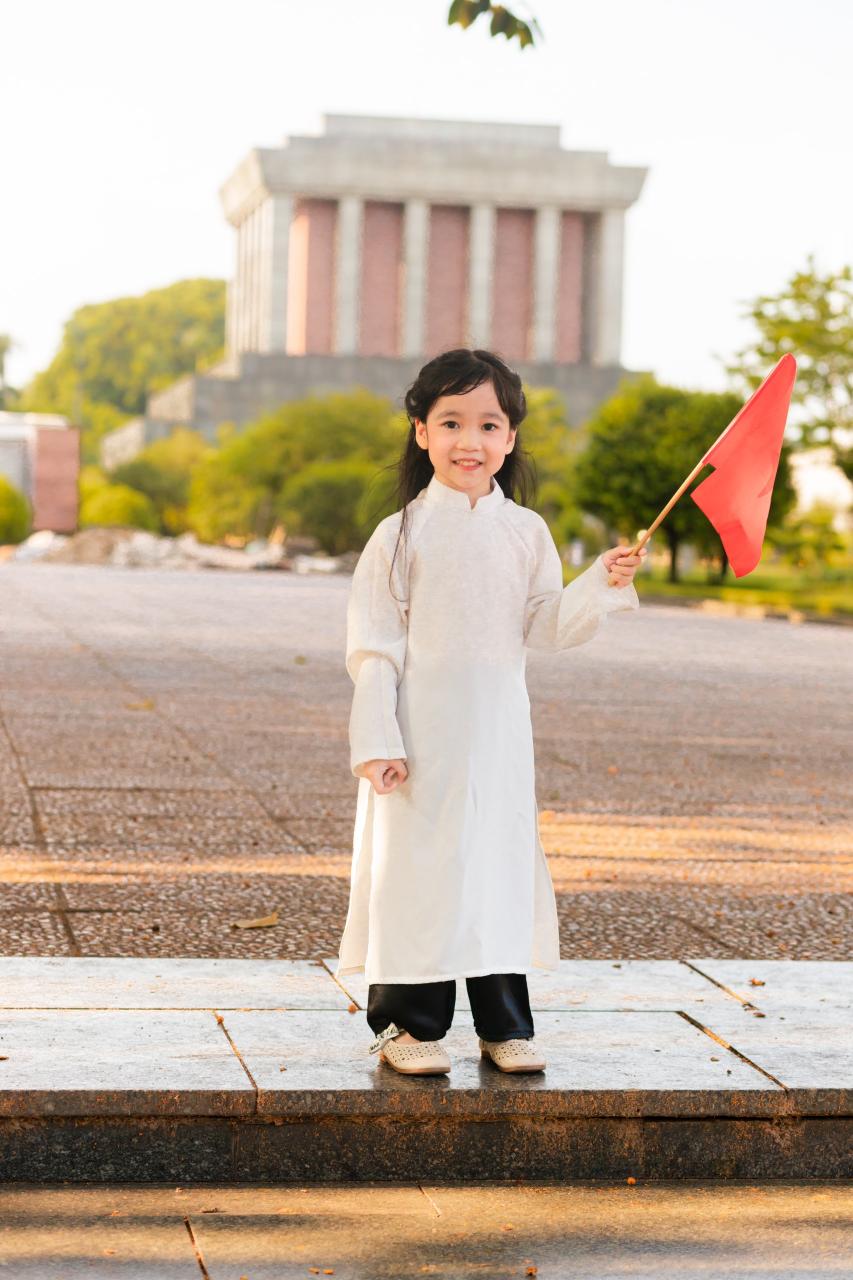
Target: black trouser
(500,1006)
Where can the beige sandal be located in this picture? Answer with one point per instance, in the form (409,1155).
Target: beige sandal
(512,1055)
(423,1058)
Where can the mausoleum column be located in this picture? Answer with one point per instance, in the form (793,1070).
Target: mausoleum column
(546,266)
(347,273)
(607,267)
(415,233)
(481,273)
(277,215)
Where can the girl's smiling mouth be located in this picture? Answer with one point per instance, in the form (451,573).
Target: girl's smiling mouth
(466,464)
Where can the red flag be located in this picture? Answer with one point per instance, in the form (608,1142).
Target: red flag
(736,496)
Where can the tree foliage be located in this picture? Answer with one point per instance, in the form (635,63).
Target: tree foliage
(15,514)
(113,354)
(503,21)
(118,504)
(812,317)
(641,445)
(272,471)
(163,471)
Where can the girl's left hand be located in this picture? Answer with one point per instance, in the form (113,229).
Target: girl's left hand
(622,566)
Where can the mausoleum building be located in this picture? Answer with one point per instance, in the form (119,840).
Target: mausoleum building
(365,250)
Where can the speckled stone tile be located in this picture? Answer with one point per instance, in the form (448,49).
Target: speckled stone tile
(148,831)
(303,931)
(51,1234)
(115,1062)
(603,1231)
(83,982)
(598,1063)
(810,1053)
(20,894)
(777,986)
(33,933)
(603,985)
(141,802)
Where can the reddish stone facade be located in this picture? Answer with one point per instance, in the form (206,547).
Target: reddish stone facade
(447,277)
(311,278)
(381,295)
(512,291)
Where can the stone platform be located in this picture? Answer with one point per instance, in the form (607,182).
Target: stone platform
(236,1071)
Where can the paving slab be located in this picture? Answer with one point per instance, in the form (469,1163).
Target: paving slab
(785,984)
(47,1235)
(121,982)
(595,984)
(581,1231)
(811,1054)
(597,1064)
(115,1062)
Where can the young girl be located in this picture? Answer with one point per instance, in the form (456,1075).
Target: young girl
(449,878)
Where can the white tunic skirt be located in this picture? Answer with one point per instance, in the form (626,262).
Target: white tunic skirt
(449,878)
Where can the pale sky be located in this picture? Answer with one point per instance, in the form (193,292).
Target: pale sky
(121,121)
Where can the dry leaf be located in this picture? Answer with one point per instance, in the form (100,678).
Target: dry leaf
(263,922)
(756,982)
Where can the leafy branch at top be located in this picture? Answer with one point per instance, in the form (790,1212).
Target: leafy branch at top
(503,21)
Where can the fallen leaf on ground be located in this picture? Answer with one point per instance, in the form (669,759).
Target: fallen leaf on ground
(262,922)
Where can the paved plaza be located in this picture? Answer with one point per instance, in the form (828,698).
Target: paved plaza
(693,1232)
(174,760)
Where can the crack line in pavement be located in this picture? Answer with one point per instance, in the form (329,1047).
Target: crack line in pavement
(731,1048)
(220,1020)
(196,1249)
(747,1004)
(424,1191)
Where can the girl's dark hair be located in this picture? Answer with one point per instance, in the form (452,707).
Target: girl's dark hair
(453,373)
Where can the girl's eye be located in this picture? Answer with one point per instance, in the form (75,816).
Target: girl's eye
(451,423)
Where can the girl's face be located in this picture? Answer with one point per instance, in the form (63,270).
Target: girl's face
(467,437)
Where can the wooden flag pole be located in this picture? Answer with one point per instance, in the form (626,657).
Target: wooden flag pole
(647,533)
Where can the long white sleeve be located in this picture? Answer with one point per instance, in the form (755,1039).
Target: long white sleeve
(377,633)
(558,617)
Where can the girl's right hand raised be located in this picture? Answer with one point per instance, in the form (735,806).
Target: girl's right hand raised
(385,775)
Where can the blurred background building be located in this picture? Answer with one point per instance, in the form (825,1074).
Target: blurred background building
(365,250)
(40,456)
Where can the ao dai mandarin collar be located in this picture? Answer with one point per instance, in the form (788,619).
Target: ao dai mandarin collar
(437,492)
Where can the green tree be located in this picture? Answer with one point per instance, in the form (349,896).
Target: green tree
(15,513)
(553,447)
(503,22)
(162,471)
(114,353)
(809,540)
(640,446)
(118,504)
(812,317)
(249,484)
(329,501)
